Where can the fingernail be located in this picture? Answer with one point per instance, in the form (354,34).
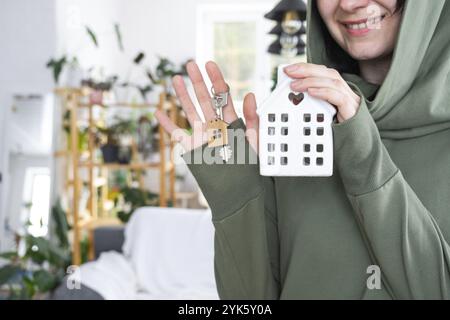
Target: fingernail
(292,68)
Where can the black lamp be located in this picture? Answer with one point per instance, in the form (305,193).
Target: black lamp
(294,6)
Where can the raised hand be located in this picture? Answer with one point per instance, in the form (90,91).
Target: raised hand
(199,136)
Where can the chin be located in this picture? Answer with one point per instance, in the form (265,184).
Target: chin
(364,53)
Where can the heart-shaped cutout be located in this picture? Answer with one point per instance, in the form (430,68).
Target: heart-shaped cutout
(296,98)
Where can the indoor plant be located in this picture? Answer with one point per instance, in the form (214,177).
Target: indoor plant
(39,264)
(119,138)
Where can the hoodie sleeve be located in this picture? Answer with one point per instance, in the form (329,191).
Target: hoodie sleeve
(243,208)
(404,239)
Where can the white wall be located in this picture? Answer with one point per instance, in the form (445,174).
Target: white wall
(158,27)
(28,39)
(27,34)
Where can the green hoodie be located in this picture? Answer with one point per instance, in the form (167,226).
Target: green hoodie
(387,205)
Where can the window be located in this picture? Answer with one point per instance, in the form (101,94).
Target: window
(235,36)
(37,200)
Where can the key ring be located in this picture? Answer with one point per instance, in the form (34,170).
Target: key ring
(220,100)
(218,94)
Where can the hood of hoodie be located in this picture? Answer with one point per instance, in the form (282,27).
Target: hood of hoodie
(414,99)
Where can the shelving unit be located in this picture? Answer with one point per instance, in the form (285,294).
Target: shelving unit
(73,101)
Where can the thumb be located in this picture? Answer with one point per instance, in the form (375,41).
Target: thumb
(251,120)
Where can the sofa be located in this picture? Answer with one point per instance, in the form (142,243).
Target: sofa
(161,253)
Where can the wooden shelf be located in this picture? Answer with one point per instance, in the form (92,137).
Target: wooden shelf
(62,91)
(119,166)
(99,222)
(120,105)
(96,214)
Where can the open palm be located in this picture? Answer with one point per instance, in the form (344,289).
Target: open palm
(199,137)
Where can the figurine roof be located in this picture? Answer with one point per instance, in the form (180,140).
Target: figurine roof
(283,89)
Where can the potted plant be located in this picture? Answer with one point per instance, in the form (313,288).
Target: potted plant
(132,199)
(38,265)
(110,150)
(83,136)
(66,71)
(120,137)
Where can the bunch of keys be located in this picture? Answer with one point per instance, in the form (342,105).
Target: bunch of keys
(217,129)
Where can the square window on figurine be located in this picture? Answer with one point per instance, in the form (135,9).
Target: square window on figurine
(295,129)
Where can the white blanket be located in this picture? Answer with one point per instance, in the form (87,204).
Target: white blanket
(111,276)
(172,253)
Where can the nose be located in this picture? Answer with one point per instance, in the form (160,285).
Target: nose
(353,5)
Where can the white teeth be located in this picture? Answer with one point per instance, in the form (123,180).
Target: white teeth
(374,21)
(357,26)
(369,24)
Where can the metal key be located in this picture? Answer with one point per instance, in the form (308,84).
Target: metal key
(218,129)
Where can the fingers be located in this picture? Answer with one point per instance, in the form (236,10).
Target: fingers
(185,100)
(303,85)
(313,82)
(177,134)
(219,84)
(305,70)
(325,84)
(347,107)
(252,120)
(201,91)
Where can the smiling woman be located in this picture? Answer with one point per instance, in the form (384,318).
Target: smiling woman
(366,33)
(387,206)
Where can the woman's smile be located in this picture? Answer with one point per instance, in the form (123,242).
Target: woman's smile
(365,29)
(362,27)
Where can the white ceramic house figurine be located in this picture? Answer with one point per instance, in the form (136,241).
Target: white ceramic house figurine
(295,133)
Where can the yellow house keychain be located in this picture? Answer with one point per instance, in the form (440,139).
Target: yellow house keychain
(217,129)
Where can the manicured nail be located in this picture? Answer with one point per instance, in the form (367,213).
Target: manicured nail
(292,68)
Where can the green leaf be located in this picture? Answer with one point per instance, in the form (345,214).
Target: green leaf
(28,288)
(44,280)
(61,225)
(11,255)
(92,36)
(57,66)
(136,198)
(8,272)
(144,90)
(36,251)
(50,63)
(40,250)
(165,68)
(138,59)
(119,36)
(152,79)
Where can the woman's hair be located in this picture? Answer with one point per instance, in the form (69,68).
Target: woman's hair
(341,60)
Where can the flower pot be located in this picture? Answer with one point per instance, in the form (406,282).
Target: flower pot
(96,97)
(110,153)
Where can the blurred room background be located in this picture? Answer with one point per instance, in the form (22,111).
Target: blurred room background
(80,150)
